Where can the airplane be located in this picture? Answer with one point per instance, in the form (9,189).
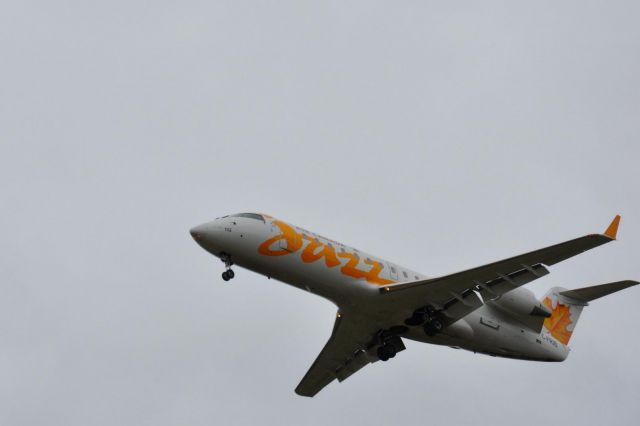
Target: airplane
(484,309)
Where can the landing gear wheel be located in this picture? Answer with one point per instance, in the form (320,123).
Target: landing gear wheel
(391,350)
(225,276)
(385,352)
(436,324)
(433,327)
(429,331)
(382,354)
(416,319)
(230,273)
(420,316)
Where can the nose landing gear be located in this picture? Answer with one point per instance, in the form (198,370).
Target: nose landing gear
(228,274)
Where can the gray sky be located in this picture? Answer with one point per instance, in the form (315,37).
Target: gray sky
(440,135)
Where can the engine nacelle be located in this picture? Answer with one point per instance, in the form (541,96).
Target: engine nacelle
(522,301)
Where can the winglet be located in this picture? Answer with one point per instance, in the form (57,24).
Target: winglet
(612,230)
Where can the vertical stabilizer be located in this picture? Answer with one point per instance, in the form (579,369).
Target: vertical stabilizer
(565,313)
(566,306)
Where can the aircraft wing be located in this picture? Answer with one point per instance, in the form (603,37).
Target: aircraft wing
(343,355)
(456,295)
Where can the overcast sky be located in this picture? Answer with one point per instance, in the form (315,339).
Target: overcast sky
(439,135)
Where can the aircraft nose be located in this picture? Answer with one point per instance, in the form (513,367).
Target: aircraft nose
(197,232)
(201,233)
(208,236)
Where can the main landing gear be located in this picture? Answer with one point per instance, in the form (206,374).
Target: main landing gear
(391,343)
(429,318)
(433,327)
(228,274)
(386,352)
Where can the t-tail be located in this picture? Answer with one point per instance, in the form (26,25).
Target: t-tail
(566,306)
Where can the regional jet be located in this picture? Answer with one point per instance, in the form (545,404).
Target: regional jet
(484,309)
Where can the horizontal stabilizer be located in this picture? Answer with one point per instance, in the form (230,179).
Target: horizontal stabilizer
(587,294)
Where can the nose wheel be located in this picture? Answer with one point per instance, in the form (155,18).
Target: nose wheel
(228,274)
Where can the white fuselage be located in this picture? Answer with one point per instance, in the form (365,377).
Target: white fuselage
(351,279)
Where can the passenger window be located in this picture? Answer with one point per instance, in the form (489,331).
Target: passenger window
(393,269)
(417,277)
(405,274)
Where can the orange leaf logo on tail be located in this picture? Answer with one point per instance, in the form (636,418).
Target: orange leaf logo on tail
(559,321)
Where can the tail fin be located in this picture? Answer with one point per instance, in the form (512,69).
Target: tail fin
(564,314)
(566,306)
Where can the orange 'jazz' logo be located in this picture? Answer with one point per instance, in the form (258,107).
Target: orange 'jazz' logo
(559,321)
(290,241)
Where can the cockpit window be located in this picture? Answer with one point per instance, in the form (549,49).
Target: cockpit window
(249,215)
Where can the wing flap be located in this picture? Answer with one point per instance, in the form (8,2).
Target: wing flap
(462,305)
(507,282)
(359,360)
